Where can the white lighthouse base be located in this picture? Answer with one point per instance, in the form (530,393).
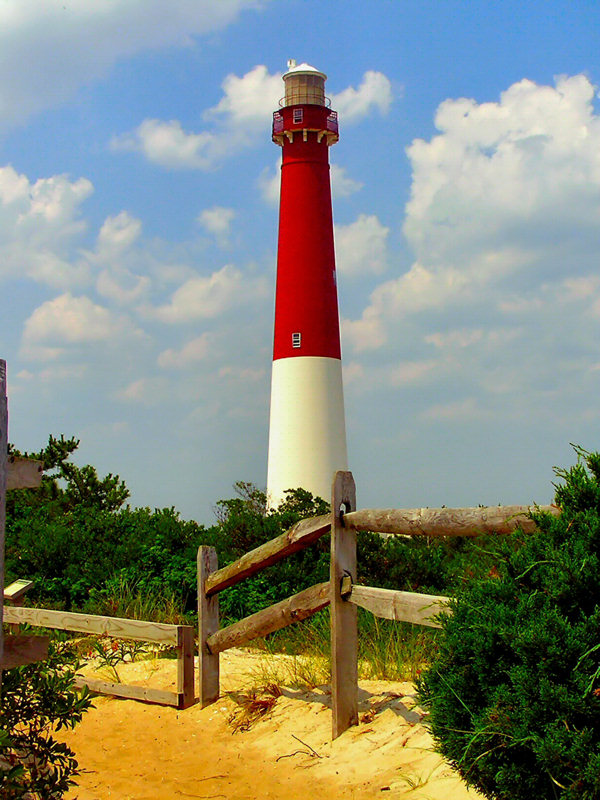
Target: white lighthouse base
(307,434)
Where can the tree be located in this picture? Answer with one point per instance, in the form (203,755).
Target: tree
(514,692)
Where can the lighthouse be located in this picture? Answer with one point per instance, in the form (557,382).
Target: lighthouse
(307,433)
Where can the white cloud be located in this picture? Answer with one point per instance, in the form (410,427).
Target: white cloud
(456,338)
(51,49)
(144,391)
(342,185)
(191,353)
(507,171)
(115,257)
(118,233)
(67,321)
(374,92)
(367,333)
(241,119)
(249,100)
(204,297)
(504,215)
(39,222)
(168,145)
(466,409)
(269,183)
(410,372)
(361,246)
(217,220)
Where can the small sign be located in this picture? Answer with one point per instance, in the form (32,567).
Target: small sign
(17,589)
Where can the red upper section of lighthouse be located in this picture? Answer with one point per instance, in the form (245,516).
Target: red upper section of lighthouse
(306,309)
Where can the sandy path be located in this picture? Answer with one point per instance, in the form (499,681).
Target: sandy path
(134,751)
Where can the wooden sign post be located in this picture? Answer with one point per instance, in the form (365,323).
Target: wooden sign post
(15,473)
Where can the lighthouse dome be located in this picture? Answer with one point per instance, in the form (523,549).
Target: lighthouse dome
(307,69)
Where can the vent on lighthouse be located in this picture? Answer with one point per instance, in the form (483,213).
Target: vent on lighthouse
(296,339)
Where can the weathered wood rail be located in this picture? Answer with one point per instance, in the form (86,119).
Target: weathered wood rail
(340,593)
(179,636)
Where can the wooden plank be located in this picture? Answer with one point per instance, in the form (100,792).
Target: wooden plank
(185,666)
(208,624)
(344,631)
(294,609)
(89,623)
(400,606)
(301,535)
(24,473)
(3,470)
(22,650)
(446,521)
(129,692)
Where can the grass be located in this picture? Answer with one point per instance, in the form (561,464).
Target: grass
(387,650)
(128,599)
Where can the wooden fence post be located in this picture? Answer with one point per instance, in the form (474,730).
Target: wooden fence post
(185,666)
(208,623)
(3,470)
(344,633)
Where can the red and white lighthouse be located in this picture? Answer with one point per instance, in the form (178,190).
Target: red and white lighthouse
(307,436)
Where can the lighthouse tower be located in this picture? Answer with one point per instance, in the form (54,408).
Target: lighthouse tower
(307,436)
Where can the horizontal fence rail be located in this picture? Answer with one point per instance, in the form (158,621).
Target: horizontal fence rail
(420,609)
(293,609)
(301,535)
(179,636)
(437,522)
(90,623)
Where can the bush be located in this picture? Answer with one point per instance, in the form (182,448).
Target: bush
(37,700)
(514,692)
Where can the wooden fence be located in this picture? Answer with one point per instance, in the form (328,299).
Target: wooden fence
(179,636)
(340,593)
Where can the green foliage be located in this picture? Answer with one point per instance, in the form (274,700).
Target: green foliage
(82,548)
(37,700)
(245,523)
(83,486)
(514,691)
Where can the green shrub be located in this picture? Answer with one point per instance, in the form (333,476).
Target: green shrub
(37,700)
(514,691)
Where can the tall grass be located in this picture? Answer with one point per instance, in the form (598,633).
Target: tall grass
(129,599)
(387,650)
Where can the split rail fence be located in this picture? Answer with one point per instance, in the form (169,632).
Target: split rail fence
(179,636)
(340,593)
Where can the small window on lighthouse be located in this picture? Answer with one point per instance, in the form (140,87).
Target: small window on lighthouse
(296,339)
(298,117)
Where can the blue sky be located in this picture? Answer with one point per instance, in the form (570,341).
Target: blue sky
(138,232)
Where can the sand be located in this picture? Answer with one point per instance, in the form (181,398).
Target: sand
(135,751)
